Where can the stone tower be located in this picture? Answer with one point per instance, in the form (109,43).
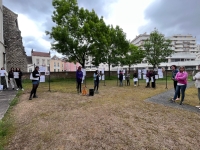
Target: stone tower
(15,53)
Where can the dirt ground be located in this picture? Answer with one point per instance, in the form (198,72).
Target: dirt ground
(117,118)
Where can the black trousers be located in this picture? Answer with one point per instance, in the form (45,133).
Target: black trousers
(127,82)
(96,85)
(79,86)
(19,83)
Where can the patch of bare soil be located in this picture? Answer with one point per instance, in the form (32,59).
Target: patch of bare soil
(115,119)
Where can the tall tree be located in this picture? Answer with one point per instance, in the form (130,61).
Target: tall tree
(133,56)
(157,48)
(114,46)
(75,30)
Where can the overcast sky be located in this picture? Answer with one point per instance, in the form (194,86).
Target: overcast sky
(133,16)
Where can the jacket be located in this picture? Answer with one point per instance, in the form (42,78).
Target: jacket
(96,77)
(35,74)
(181,77)
(120,76)
(174,72)
(79,75)
(135,75)
(197,78)
(10,74)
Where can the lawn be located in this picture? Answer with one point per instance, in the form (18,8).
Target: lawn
(117,118)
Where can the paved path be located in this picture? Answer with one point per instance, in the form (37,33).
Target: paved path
(6,97)
(163,99)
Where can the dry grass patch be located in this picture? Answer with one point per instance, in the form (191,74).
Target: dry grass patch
(116,118)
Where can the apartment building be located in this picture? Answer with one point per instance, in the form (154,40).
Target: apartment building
(57,64)
(186,51)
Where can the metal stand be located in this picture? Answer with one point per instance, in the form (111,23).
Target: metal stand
(49,78)
(166,78)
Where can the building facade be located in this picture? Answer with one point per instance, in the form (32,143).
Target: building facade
(14,49)
(186,51)
(38,59)
(2,46)
(57,64)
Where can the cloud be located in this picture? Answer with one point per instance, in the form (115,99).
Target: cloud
(173,17)
(34,17)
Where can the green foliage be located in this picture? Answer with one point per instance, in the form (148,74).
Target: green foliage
(76,31)
(134,55)
(157,48)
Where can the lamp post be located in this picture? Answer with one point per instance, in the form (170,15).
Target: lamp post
(166,76)
(49,77)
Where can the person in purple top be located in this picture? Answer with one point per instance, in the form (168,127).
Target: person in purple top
(79,76)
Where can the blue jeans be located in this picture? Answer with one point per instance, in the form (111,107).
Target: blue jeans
(182,88)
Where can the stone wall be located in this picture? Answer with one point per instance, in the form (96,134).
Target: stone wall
(15,53)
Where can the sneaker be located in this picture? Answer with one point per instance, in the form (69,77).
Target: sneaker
(197,106)
(17,89)
(172,100)
(35,96)
(30,98)
(177,99)
(22,89)
(134,85)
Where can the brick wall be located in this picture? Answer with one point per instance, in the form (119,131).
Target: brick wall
(15,53)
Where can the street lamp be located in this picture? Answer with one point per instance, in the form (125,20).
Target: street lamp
(166,76)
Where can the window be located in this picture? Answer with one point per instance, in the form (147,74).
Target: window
(58,70)
(43,61)
(37,61)
(58,64)
(54,70)
(30,70)
(48,62)
(54,64)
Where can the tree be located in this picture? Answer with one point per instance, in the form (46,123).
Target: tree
(157,48)
(75,30)
(113,46)
(133,56)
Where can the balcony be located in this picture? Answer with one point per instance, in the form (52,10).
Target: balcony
(179,46)
(179,42)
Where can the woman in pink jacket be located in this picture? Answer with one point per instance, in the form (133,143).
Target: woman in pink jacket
(181,78)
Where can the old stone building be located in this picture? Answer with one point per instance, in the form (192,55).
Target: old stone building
(15,53)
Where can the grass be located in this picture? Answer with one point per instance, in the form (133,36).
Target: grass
(116,118)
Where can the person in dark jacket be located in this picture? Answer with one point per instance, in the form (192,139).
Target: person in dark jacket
(121,78)
(19,80)
(79,76)
(96,80)
(153,80)
(35,82)
(174,72)
(135,75)
(11,78)
(148,75)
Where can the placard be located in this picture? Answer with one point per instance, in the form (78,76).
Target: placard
(147,80)
(160,75)
(42,78)
(156,76)
(99,77)
(103,77)
(47,73)
(1,87)
(144,71)
(152,79)
(2,72)
(102,71)
(144,76)
(32,78)
(16,75)
(124,77)
(118,71)
(84,71)
(42,69)
(139,76)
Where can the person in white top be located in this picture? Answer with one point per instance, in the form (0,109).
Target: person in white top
(197,83)
(4,75)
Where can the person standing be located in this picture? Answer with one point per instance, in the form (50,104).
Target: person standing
(181,78)
(148,76)
(35,82)
(135,76)
(197,83)
(120,78)
(3,78)
(174,72)
(96,80)
(128,78)
(19,79)
(153,79)
(79,76)
(11,78)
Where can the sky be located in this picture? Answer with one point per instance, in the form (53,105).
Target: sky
(135,17)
